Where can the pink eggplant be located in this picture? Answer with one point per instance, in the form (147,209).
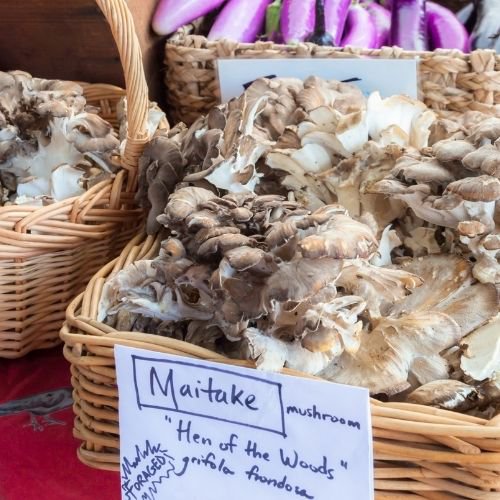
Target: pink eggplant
(408,29)
(240,20)
(298,18)
(170,15)
(360,29)
(445,30)
(382,20)
(335,18)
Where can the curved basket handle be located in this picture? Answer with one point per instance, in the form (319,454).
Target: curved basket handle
(122,26)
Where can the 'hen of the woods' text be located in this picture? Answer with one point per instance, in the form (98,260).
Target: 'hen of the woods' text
(192,430)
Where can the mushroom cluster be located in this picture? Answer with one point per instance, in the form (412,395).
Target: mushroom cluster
(52,145)
(244,261)
(348,237)
(287,135)
(453,191)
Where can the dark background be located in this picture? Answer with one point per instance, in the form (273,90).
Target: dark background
(70,39)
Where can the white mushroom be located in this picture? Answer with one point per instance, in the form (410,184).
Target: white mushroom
(481,352)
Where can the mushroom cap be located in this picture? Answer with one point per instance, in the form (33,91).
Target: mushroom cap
(323,340)
(244,258)
(445,394)
(422,170)
(491,242)
(222,244)
(185,201)
(488,129)
(478,158)
(395,187)
(289,139)
(448,288)
(300,279)
(380,287)
(471,228)
(385,355)
(344,238)
(481,188)
(481,351)
(449,150)
(89,132)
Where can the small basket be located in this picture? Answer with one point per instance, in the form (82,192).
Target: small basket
(419,451)
(449,79)
(48,254)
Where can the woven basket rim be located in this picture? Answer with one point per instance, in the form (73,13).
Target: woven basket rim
(184,38)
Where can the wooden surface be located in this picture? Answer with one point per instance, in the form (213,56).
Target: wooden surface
(70,39)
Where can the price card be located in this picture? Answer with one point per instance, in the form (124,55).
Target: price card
(388,76)
(196,430)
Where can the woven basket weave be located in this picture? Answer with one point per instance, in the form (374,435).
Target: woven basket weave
(48,254)
(449,79)
(419,451)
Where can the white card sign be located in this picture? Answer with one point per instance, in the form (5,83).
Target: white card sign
(194,430)
(388,76)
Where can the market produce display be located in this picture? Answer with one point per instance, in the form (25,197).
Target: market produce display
(52,145)
(409,24)
(347,237)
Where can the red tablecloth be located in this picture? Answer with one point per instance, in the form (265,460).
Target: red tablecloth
(37,450)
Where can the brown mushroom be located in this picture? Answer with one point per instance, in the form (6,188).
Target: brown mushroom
(447,395)
(343,238)
(482,188)
(452,150)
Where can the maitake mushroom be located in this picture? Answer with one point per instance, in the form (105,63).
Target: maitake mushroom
(351,238)
(52,146)
(453,189)
(244,261)
(287,135)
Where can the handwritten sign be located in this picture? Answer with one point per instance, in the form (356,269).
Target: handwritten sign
(388,76)
(194,430)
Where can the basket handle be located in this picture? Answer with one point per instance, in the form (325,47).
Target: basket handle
(122,27)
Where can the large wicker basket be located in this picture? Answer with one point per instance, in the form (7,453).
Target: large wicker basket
(449,79)
(48,254)
(419,451)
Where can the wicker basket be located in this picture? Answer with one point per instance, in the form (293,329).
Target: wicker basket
(449,79)
(419,451)
(48,254)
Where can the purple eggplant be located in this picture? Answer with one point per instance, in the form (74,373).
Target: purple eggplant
(360,29)
(172,14)
(240,20)
(320,35)
(382,20)
(445,30)
(335,18)
(298,18)
(486,32)
(408,28)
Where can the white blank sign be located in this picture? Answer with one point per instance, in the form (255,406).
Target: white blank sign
(388,76)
